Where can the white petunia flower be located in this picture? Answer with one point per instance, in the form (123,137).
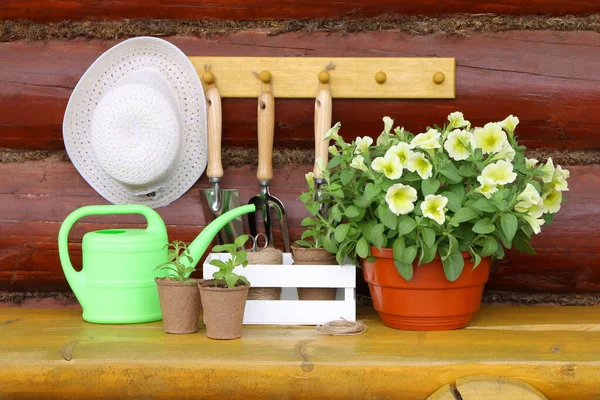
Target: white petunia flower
(488,187)
(419,163)
(358,162)
(559,178)
(333,151)
(506,153)
(399,130)
(548,171)
(457,120)
(534,223)
(459,144)
(401,198)
(434,207)
(389,165)
(531,162)
(402,151)
(500,172)
(552,199)
(490,138)
(332,133)
(362,144)
(429,140)
(529,201)
(510,123)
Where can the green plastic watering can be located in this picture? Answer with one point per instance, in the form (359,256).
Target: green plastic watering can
(116,284)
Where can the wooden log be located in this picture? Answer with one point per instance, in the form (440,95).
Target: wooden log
(35,197)
(55,10)
(45,353)
(542,77)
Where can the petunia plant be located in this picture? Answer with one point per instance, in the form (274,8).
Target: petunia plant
(449,190)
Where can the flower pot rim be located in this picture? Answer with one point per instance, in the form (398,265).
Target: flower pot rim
(388,252)
(170,282)
(219,289)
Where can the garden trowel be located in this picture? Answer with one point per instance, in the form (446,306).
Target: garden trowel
(264,201)
(217,201)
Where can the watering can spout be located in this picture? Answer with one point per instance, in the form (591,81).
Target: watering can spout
(201,243)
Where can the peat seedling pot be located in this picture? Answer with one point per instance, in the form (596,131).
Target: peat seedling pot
(428,302)
(313,256)
(180,305)
(223,309)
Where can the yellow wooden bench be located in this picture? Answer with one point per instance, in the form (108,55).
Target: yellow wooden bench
(53,353)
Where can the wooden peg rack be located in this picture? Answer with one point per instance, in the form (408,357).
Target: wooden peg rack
(355,78)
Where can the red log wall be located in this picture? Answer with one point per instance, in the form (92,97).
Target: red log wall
(545,78)
(56,10)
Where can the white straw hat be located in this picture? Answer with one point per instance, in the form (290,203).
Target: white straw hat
(135,125)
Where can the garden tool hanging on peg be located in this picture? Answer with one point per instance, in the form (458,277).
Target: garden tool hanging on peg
(217,201)
(323,104)
(264,201)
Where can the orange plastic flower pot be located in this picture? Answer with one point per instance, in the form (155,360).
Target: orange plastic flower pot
(428,302)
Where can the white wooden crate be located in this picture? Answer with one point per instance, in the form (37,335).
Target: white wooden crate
(289,310)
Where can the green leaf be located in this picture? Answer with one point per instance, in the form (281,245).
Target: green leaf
(453,266)
(484,205)
(336,213)
(509,224)
(341,231)
(328,244)
(398,247)
(387,217)
(362,248)
(346,175)
(351,212)
(218,263)
(458,189)
(429,186)
(453,244)
(371,191)
(476,257)
(335,161)
(427,253)
(308,233)
(406,225)
(466,170)
(243,279)
(405,270)
(308,221)
(377,237)
(241,240)
(304,243)
(453,201)
(450,172)
(521,243)
(490,246)
(464,214)
(312,208)
(231,280)
(409,254)
(484,226)
(548,218)
(428,235)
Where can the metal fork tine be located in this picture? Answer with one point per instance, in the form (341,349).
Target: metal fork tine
(277,205)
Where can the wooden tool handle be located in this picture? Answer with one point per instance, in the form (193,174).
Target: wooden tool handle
(214,122)
(266,131)
(322,125)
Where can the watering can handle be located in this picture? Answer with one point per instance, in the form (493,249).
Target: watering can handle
(155,224)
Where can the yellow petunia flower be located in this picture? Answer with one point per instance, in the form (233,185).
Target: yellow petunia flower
(548,171)
(419,163)
(500,172)
(332,133)
(457,120)
(389,165)
(362,145)
(530,202)
(434,207)
(358,162)
(402,151)
(510,123)
(552,199)
(559,178)
(488,187)
(428,141)
(459,144)
(490,138)
(401,198)
(535,223)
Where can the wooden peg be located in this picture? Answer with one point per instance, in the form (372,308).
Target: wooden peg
(439,78)
(208,77)
(324,77)
(380,77)
(265,76)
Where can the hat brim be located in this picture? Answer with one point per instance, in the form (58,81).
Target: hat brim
(117,62)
